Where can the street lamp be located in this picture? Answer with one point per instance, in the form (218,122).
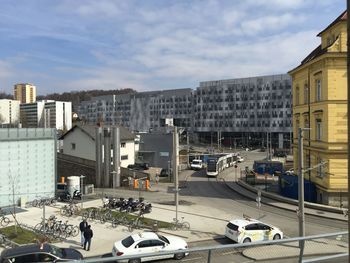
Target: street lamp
(82,189)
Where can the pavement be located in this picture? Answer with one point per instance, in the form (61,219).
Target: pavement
(206,224)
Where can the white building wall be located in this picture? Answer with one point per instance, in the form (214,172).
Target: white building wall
(84,145)
(27,164)
(128,150)
(9,111)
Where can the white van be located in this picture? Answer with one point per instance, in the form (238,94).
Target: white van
(197,164)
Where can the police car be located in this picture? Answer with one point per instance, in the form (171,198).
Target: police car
(246,230)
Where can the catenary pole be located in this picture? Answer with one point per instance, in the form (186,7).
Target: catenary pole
(348,91)
(301,192)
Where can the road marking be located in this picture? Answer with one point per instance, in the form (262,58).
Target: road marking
(231,252)
(189,259)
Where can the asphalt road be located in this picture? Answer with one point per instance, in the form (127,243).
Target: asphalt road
(212,192)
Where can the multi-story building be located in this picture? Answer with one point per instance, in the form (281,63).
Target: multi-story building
(320,103)
(27,164)
(47,114)
(242,110)
(140,111)
(24,92)
(9,112)
(245,109)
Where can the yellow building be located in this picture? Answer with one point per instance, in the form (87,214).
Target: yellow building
(25,93)
(320,103)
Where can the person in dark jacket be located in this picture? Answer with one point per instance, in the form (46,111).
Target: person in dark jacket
(88,234)
(82,226)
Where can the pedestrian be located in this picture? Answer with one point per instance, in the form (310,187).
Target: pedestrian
(157,178)
(82,226)
(88,234)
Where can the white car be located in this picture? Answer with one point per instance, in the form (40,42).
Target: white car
(196,164)
(249,230)
(240,159)
(290,171)
(149,242)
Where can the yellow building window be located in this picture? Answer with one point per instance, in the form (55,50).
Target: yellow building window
(318,129)
(297,95)
(306,94)
(318,90)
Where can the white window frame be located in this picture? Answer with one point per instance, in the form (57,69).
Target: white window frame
(318,129)
(318,90)
(297,95)
(320,169)
(306,94)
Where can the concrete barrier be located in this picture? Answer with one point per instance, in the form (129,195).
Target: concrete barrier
(289,200)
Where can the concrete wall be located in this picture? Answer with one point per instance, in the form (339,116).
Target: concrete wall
(74,166)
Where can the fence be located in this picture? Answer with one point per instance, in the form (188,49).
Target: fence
(316,248)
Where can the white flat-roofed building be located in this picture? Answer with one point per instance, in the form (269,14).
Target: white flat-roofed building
(9,112)
(47,114)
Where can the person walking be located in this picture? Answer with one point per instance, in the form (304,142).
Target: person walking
(157,178)
(88,234)
(82,226)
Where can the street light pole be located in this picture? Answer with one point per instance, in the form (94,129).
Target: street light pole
(301,190)
(82,190)
(175,172)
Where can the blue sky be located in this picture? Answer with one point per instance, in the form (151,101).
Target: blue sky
(70,45)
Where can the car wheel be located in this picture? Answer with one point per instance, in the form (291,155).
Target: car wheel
(134,260)
(179,256)
(276,237)
(247,240)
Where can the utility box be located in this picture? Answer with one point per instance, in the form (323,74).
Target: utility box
(89,189)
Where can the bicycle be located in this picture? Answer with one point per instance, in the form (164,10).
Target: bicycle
(119,220)
(137,223)
(4,220)
(177,224)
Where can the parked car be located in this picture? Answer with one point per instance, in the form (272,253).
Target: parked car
(240,159)
(196,164)
(139,166)
(35,253)
(164,173)
(249,230)
(290,171)
(149,242)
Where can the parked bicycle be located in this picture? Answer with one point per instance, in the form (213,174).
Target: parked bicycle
(4,220)
(177,224)
(44,201)
(137,223)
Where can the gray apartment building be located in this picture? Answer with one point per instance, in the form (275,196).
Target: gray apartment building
(142,111)
(240,111)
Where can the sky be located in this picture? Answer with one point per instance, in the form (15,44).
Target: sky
(70,45)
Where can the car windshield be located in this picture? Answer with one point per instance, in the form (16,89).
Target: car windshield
(58,252)
(163,238)
(196,162)
(127,242)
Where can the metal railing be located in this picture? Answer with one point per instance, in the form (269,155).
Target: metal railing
(278,249)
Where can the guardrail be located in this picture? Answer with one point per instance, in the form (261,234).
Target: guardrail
(279,249)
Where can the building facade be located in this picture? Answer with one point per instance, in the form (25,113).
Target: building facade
(24,92)
(140,111)
(47,114)
(9,112)
(245,109)
(80,141)
(27,164)
(319,94)
(242,110)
